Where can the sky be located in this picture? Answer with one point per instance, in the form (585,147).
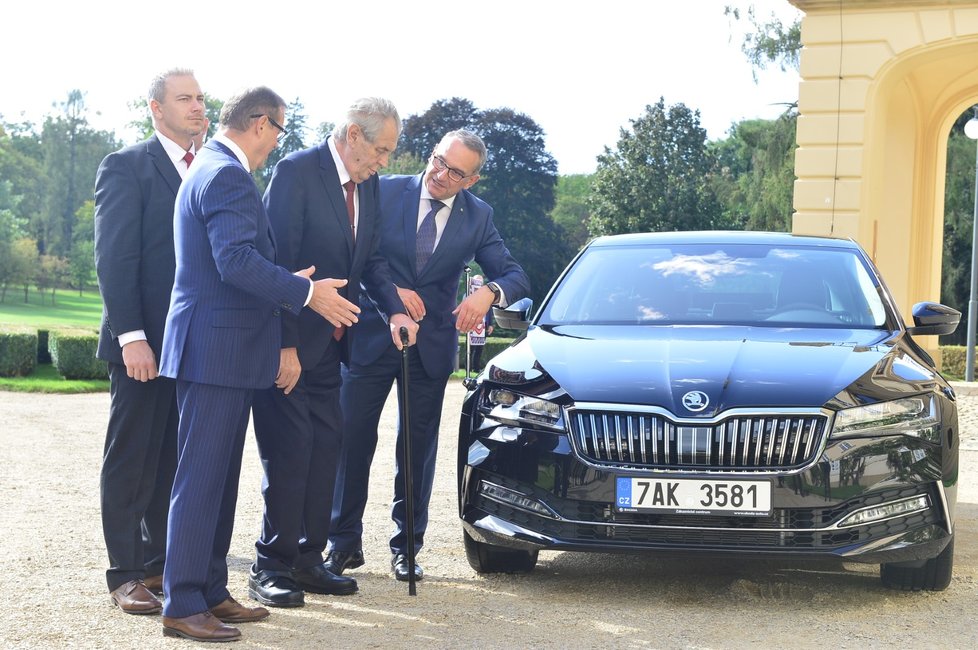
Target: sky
(581,69)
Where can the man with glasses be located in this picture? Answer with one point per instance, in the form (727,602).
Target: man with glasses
(323,205)
(432,227)
(221,343)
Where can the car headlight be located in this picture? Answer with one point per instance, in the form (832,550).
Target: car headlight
(515,409)
(910,416)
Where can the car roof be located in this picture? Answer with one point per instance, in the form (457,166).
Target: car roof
(721,237)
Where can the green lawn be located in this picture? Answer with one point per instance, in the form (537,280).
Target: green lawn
(69,310)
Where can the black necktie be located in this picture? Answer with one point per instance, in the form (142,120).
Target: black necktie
(426,235)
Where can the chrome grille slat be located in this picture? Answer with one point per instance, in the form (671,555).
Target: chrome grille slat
(754,442)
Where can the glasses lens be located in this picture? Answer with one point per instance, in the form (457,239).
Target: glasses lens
(441,165)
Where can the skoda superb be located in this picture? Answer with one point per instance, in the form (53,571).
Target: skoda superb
(722,393)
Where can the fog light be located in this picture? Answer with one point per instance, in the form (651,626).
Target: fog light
(513,498)
(886,511)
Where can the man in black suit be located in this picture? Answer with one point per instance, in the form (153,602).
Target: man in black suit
(323,205)
(135,190)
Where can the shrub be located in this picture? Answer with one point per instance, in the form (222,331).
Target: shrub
(73,354)
(954,359)
(494,345)
(18,351)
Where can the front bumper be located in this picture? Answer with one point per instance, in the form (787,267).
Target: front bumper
(556,501)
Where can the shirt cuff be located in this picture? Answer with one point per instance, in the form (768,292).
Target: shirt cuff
(309,295)
(129,337)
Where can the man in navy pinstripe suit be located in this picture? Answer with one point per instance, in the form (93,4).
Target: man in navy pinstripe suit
(221,343)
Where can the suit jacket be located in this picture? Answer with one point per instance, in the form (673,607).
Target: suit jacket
(223,326)
(469,234)
(307,209)
(135,189)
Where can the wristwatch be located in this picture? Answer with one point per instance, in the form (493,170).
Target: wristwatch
(496,292)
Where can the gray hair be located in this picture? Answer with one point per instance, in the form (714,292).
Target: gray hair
(370,114)
(237,112)
(157,87)
(470,141)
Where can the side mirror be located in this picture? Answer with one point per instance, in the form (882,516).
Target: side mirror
(933,319)
(514,317)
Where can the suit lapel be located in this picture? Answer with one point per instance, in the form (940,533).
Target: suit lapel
(330,178)
(409,217)
(163,163)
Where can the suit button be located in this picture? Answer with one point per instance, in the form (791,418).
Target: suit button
(276,312)
(286,305)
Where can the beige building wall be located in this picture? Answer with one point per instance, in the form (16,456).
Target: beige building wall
(882,82)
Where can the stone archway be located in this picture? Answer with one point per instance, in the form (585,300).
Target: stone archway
(882,83)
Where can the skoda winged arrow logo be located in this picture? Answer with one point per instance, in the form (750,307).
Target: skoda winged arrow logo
(695,400)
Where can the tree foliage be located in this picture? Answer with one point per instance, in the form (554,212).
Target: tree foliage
(754,181)
(570,211)
(294,140)
(657,179)
(959,206)
(770,41)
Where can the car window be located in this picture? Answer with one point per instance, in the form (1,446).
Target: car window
(706,284)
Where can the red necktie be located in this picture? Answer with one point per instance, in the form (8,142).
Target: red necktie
(350,188)
(188,158)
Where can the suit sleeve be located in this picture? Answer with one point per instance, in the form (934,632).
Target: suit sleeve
(285,204)
(118,243)
(498,264)
(232,216)
(376,277)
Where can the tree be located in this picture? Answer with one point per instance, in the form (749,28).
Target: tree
(657,178)
(10,231)
(25,261)
(755,176)
(770,42)
(570,210)
(72,153)
(294,140)
(51,271)
(422,133)
(959,202)
(20,165)
(81,264)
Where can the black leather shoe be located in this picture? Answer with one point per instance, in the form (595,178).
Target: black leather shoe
(400,565)
(339,561)
(275,588)
(320,580)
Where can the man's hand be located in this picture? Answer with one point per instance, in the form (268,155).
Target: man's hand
(140,361)
(471,311)
(289,370)
(328,303)
(403,320)
(412,302)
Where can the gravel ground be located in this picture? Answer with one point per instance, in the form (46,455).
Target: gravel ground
(52,566)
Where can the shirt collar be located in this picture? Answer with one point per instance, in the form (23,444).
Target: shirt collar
(340,167)
(235,149)
(174,151)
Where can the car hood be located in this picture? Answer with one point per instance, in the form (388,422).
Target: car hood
(733,367)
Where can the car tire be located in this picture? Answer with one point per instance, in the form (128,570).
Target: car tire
(934,575)
(486,558)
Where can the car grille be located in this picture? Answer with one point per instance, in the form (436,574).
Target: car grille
(643,440)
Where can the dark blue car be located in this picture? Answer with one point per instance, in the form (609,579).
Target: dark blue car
(750,394)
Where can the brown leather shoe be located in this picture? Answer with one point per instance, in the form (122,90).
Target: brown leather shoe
(231,611)
(154,584)
(200,627)
(134,598)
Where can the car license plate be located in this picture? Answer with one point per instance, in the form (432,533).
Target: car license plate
(693,496)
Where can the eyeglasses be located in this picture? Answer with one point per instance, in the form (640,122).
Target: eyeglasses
(282,131)
(440,165)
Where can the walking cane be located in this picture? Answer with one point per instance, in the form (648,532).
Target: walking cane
(468,382)
(406,461)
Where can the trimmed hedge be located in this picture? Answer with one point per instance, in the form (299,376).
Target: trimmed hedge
(18,351)
(493,347)
(73,354)
(954,359)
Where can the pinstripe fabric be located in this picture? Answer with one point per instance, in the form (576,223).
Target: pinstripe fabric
(222,338)
(213,421)
(224,324)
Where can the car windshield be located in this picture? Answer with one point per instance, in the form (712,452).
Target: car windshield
(726,284)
